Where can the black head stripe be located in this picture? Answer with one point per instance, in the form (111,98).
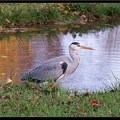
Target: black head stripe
(75,43)
(64,66)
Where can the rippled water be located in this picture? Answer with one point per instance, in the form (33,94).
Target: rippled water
(97,68)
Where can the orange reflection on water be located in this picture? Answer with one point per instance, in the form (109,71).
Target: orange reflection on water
(12,56)
(18,56)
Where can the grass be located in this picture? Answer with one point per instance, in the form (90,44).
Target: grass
(31,100)
(29,14)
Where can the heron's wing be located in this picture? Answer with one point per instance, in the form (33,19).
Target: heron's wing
(48,70)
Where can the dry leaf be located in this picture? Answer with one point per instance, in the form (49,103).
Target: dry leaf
(84,110)
(78,107)
(51,9)
(95,103)
(37,10)
(55,95)
(52,86)
(63,29)
(7,20)
(75,13)
(68,7)
(86,94)
(8,80)
(65,11)
(51,103)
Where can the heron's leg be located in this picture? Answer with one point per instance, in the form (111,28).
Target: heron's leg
(60,78)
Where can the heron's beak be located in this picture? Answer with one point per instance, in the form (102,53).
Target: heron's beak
(85,47)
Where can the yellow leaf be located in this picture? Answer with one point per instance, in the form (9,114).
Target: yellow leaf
(63,29)
(52,86)
(68,7)
(93,101)
(7,20)
(65,12)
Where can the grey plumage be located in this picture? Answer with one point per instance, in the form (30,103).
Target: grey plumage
(56,68)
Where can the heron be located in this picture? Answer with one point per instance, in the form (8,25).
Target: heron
(56,68)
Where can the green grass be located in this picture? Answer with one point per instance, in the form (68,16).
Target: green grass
(29,14)
(30,100)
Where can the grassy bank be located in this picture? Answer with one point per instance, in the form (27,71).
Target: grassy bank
(29,14)
(30,100)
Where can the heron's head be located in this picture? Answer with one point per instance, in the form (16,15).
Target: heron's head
(78,46)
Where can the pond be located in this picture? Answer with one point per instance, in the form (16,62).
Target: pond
(99,69)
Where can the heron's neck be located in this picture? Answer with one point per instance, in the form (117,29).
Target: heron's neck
(74,56)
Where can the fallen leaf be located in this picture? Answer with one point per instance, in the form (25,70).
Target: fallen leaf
(80,23)
(75,113)
(84,110)
(52,86)
(7,20)
(6,107)
(63,29)
(72,95)
(38,88)
(57,22)
(37,10)
(65,12)
(5,97)
(51,9)
(68,7)
(86,94)
(51,103)
(55,95)
(95,103)
(8,80)
(75,13)
(78,107)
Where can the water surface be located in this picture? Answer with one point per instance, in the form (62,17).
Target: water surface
(21,52)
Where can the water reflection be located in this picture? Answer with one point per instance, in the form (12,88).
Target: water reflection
(96,68)
(20,54)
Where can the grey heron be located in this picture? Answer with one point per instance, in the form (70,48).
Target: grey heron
(56,68)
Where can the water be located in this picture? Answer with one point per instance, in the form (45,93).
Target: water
(22,52)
